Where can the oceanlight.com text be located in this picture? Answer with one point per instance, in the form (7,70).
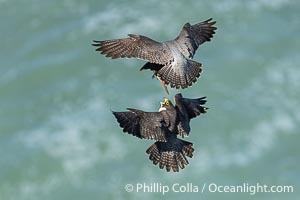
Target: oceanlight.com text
(250,189)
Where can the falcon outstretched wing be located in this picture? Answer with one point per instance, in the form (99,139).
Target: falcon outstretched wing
(188,109)
(145,125)
(135,46)
(191,107)
(191,36)
(171,154)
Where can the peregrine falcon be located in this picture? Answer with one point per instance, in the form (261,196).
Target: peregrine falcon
(163,126)
(171,60)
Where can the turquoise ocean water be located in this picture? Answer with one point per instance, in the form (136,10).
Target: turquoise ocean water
(59,140)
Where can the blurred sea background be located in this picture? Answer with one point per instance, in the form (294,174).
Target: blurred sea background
(59,140)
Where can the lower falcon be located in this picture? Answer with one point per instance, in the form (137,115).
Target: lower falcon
(168,151)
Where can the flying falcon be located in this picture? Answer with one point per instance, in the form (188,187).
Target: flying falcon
(170,61)
(163,126)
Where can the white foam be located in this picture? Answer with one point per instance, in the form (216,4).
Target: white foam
(148,103)
(254,5)
(149,23)
(8,76)
(78,139)
(116,16)
(274,4)
(92,23)
(275,90)
(30,189)
(254,144)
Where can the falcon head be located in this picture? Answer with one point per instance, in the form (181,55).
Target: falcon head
(165,105)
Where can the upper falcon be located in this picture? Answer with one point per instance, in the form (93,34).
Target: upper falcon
(170,61)
(164,126)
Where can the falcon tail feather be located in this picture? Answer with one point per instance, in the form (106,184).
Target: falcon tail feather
(171,154)
(180,78)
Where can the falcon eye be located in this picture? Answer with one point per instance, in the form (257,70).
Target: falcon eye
(166,101)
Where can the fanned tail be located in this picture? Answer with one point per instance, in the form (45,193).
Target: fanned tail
(171,154)
(182,77)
